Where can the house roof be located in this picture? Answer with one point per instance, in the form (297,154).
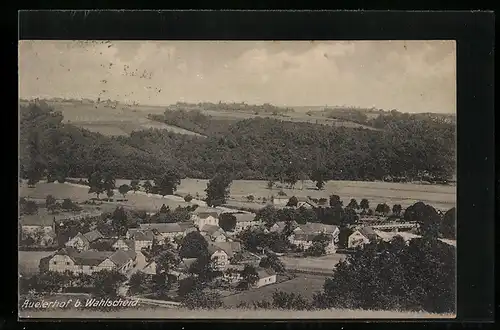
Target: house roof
(281,224)
(120,257)
(93,235)
(104,243)
(185,225)
(265,272)
(150,268)
(369,233)
(129,242)
(82,237)
(141,235)
(162,227)
(307,200)
(229,247)
(244,217)
(305,237)
(211,229)
(91,258)
(204,215)
(313,227)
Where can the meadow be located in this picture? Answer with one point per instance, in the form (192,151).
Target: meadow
(442,197)
(123,119)
(30,260)
(305,285)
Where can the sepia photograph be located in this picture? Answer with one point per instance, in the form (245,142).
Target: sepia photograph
(237,179)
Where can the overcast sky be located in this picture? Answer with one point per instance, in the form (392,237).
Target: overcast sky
(411,76)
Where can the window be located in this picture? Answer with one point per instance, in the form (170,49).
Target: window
(55,262)
(91,267)
(67,263)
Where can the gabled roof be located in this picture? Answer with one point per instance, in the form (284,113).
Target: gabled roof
(204,215)
(211,229)
(91,258)
(304,237)
(313,227)
(186,225)
(120,257)
(186,263)
(142,235)
(369,233)
(82,237)
(307,200)
(162,227)
(265,272)
(130,243)
(229,247)
(281,224)
(93,235)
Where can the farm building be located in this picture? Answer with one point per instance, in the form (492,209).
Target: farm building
(222,252)
(362,236)
(142,238)
(244,221)
(213,233)
(205,218)
(305,241)
(167,230)
(88,262)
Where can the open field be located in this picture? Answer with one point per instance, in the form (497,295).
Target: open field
(321,264)
(306,285)
(406,194)
(30,260)
(181,313)
(122,120)
(80,194)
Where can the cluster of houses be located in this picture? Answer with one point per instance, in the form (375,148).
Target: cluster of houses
(366,235)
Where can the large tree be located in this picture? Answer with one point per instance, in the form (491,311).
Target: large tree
(427,218)
(134,185)
(227,221)
(364,205)
(96,183)
(124,189)
(420,276)
(193,245)
(319,175)
(167,183)
(448,225)
(218,189)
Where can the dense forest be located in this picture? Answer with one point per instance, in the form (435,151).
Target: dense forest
(259,148)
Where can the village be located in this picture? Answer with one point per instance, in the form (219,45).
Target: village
(238,254)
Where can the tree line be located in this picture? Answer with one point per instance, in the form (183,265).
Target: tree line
(258,148)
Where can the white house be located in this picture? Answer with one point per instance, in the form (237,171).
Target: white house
(205,218)
(306,240)
(362,236)
(167,230)
(306,203)
(244,221)
(266,277)
(222,252)
(213,233)
(81,242)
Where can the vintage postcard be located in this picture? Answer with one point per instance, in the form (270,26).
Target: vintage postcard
(237,179)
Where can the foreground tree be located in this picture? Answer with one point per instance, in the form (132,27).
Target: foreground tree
(106,283)
(272,261)
(448,226)
(420,276)
(290,301)
(249,276)
(218,190)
